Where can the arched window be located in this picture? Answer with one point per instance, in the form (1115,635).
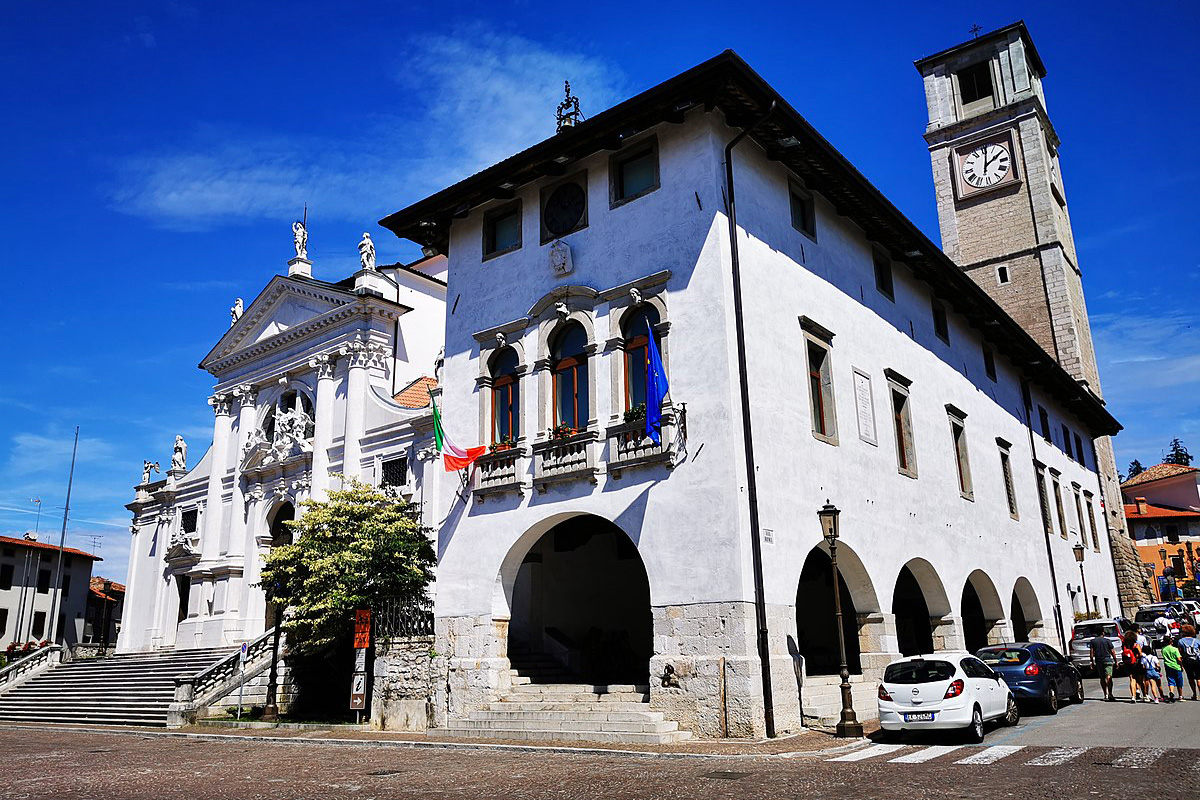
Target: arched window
(289,401)
(506,397)
(636,329)
(570,377)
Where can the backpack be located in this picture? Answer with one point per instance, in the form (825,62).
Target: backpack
(1191,649)
(1128,656)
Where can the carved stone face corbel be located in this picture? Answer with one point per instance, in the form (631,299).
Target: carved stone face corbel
(560,308)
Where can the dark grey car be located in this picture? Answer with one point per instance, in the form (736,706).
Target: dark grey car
(1083,633)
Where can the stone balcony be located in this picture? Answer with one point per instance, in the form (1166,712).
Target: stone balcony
(568,458)
(501,471)
(628,445)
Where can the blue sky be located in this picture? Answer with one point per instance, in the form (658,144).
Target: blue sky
(157,153)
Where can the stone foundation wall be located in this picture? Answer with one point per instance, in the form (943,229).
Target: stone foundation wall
(403,686)
(255,694)
(471,667)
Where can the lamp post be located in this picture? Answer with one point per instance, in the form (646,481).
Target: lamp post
(107,616)
(1079,551)
(1162,555)
(848,725)
(271,707)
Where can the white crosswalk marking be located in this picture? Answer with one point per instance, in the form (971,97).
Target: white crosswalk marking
(1139,757)
(990,755)
(928,754)
(870,752)
(1059,755)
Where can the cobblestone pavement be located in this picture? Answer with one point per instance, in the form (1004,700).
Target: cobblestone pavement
(105,765)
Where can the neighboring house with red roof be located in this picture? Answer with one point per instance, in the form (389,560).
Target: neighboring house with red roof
(105,604)
(1162,509)
(27,591)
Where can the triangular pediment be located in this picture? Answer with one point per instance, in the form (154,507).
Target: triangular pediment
(285,304)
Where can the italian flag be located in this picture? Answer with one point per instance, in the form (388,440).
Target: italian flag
(454,458)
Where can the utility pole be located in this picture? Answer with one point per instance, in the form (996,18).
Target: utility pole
(62,540)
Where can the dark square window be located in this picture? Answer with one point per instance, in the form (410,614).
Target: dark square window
(6,577)
(975,83)
(1002,274)
(39,624)
(941,325)
(1066,432)
(9,552)
(189,520)
(804,212)
(43,583)
(1044,421)
(1079,449)
(633,174)
(4,624)
(1172,532)
(502,230)
(989,362)
(884,278)
(395,472)
(66,585)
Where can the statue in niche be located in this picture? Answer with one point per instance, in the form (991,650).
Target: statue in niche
(147,468)
(366,252)
(300,239)
(179,454)
(235,313)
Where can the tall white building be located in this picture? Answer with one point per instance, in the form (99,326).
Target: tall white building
(827,351)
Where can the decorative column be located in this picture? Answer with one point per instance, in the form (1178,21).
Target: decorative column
(322,423)
(247,417)
(222,428)
(360,354)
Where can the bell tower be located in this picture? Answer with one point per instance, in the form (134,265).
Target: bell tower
(1004,220)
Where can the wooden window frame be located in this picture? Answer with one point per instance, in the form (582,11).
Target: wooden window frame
(806,201)
(1044,423)
(899,399)
(507,384)
(820,390)
(962,454)
(1091,514)
(622,157)
(1006,475)
(941,320)
(1066,432)
(488,229)
(1044,500)
(1056,486)
(883,266)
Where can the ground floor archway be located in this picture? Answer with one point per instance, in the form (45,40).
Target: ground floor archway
(281,534)
(918,599)
(816,627)
(982,613)
(1026,614)
(582,597)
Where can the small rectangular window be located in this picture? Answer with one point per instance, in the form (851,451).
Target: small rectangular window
(1010,493)
(1058,504)
(962,463)
(1091,516)
(1079,450)
(902,427)
(989,362)
(820,390)
(39,624)
(804,213)
(941,325)
(189,519)
(1066,432)
(1172,532)
(6,577)
(1044,501)
(66,585)
(43,581)
(8,552)
(633,174)
(395,472)
(4,625)
(502,230)
(1003,275)
(885,280)
(1107,609)
(1044,421)
(1079,515)
(975,86)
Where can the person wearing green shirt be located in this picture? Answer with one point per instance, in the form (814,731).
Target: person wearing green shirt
(1173,665)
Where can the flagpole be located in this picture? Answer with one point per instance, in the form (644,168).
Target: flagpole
(62,540)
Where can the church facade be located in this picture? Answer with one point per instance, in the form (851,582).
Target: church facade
(818,349)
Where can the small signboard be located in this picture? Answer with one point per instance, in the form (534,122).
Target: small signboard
(358,692)
(362,629)
(244,655)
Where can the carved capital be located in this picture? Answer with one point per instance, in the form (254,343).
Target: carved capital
(362,354)
(324,364)
(221,404)
(246,395)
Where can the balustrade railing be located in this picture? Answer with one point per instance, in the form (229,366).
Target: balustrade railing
(500,471)
(629,446)
(403,617)
(35,661)
(565,458)
(192,687)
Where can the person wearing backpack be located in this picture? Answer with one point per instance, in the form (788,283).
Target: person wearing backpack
(1131,659)
(1152,671)
(1189,648)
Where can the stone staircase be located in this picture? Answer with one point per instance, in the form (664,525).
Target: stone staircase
(822,699)
(133,689)
(544,705)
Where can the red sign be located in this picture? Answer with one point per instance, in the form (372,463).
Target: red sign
(362,629)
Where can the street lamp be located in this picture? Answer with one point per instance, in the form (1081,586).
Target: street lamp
(848,726)
(1079,551)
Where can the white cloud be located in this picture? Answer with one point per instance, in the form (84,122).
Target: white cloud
(475,96)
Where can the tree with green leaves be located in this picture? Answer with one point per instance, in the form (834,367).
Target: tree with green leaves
(1135,468)
(1178,454)
(351,551)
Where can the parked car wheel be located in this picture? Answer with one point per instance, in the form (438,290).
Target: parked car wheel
(1051,700)
(1078,696)
(1013,715)
(975,729)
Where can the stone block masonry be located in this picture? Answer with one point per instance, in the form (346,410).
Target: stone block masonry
(402,689)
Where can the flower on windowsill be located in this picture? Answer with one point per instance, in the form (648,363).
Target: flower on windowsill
(635,413)
(562,431)
(503,443)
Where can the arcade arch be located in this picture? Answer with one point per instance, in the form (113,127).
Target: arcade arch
(920,606)
(816,629)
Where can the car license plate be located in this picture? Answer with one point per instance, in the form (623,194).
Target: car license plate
(925,716)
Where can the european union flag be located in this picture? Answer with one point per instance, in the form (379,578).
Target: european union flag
(656,389)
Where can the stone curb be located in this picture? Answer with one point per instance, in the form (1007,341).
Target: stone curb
(509,748)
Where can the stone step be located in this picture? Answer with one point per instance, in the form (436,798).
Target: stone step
(113,718)
(581,715)
(576,705)
(564,723)
(557,735)
(583,688)
(563,697)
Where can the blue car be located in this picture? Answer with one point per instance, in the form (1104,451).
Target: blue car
(1036,673)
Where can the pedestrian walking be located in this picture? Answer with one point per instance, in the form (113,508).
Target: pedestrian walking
(1103,655)
(1189,647)
(1152,687)
(1172,661)
(1131,658)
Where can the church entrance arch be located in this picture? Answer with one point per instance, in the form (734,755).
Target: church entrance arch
(579,602)
(816,628)
(281,535)
(919,603)
(982,613)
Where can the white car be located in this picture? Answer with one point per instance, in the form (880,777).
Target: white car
(944,691)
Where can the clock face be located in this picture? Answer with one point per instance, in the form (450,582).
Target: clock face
(986,165)
(564,209)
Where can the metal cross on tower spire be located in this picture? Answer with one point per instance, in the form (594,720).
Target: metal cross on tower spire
(975,29)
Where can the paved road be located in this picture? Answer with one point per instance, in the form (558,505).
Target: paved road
(104,766)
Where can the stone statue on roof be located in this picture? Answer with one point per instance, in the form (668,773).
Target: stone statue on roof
(235,313)
(179,455)
(300,239)
(147,468)
(366,252)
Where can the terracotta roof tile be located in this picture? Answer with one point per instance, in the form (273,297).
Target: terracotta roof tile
(416,394)
(1157,473)
(7,540)
(1152,511)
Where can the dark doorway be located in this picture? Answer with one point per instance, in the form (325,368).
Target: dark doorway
(816,627)
(913,628)
(975,626)
(582,598)
(281,535)
(183,585)
(1020,625)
